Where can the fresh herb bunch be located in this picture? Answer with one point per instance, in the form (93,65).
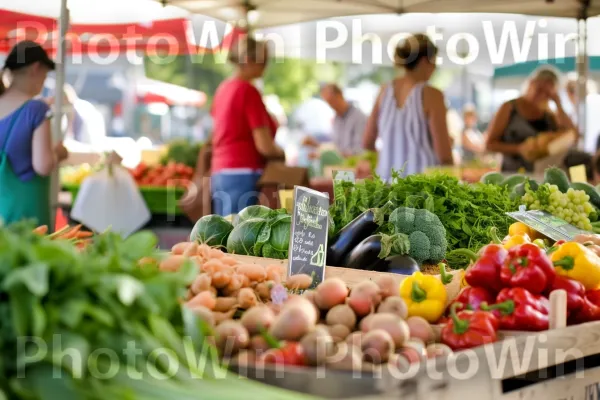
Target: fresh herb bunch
(182,151)
(103,299)
(467,211)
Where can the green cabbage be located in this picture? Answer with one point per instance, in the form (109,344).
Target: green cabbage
(212,230)
(274,239)
(257,211)
(244,236)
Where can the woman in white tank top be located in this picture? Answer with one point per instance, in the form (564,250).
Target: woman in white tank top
(410,116)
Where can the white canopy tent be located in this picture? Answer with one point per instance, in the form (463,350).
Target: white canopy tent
(267,13)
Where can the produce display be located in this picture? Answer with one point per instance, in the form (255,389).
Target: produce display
(171,174)
(466,211)
(259,316)
(182,151)
(73,234)
(75,175)
(577,203)
(98,301)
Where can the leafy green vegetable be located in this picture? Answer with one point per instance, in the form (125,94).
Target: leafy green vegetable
(84,325)
(182,151)
(276,234)
(244,236)
(212,230)
(467,211)
(257,211)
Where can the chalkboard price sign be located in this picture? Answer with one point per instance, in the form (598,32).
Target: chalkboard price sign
(308,239)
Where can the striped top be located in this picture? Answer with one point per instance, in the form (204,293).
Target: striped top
(404,134)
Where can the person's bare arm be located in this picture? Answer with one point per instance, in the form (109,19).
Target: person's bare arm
(496,129)
(562,119)
(436,113)
(470,145)
(43,157)
(265,144)
(371,133)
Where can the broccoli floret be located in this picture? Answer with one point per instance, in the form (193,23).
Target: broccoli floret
(420,247)
(421,224)
(269,251)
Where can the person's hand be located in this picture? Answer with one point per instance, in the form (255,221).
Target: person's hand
(310,142)
(61,152)
(363,169)
(553,95)
(528,150)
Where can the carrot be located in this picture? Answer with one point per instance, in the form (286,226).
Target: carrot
(221,279)
(223,316)
(201,283)
(41,230)
(254,272)
(84,234)
(205,298)
(59,232)
(212,266)
(172,263)
(71,234)
(179,248)
(229,260)
(247,298)
(225,304)
(299,282)
(191,250)
(234,285)
(274,272)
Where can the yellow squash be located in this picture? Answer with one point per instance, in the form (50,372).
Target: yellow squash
(425,296)
(575,261)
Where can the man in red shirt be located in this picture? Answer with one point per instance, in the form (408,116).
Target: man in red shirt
(244,132)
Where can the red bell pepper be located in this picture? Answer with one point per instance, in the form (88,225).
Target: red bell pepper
(469,329)
(291,353)
(590,309)
(519,310)
(282,353)
(470,298)
(575,292)
(485,272)
(528,267)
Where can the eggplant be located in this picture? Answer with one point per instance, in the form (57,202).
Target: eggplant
(366,256)
(350,236)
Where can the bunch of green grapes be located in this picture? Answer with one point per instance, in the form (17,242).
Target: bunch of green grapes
(573,206)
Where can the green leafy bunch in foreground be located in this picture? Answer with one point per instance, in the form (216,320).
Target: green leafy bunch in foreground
(87,325)
(467,211)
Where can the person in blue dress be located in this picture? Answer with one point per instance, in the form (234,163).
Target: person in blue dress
(27,154)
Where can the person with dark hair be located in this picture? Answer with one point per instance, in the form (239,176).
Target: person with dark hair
(244,131)
(525,117)
(27,155)
(409,116)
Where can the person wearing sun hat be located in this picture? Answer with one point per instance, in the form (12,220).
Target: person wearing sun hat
(27,154)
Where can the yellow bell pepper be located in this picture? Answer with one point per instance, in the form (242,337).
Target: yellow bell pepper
(516,240)
(519,228)
(575,261)
(425,296)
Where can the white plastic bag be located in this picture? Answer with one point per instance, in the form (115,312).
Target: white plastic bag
(111,200)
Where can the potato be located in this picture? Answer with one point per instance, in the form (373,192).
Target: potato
(224,304)
(231,337)
(355,339)
(347,358)
(438,350)
(364,323)
(256,318)
(413,350)
(368,290)
(388,286)
(244,358)
(330,293)
(339,332)
(394,305)
(341,314)
(298,282)
(292,323)
(310,309)
(420,329)
(377,346)
(396,327)
(318,345)
(259,344)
